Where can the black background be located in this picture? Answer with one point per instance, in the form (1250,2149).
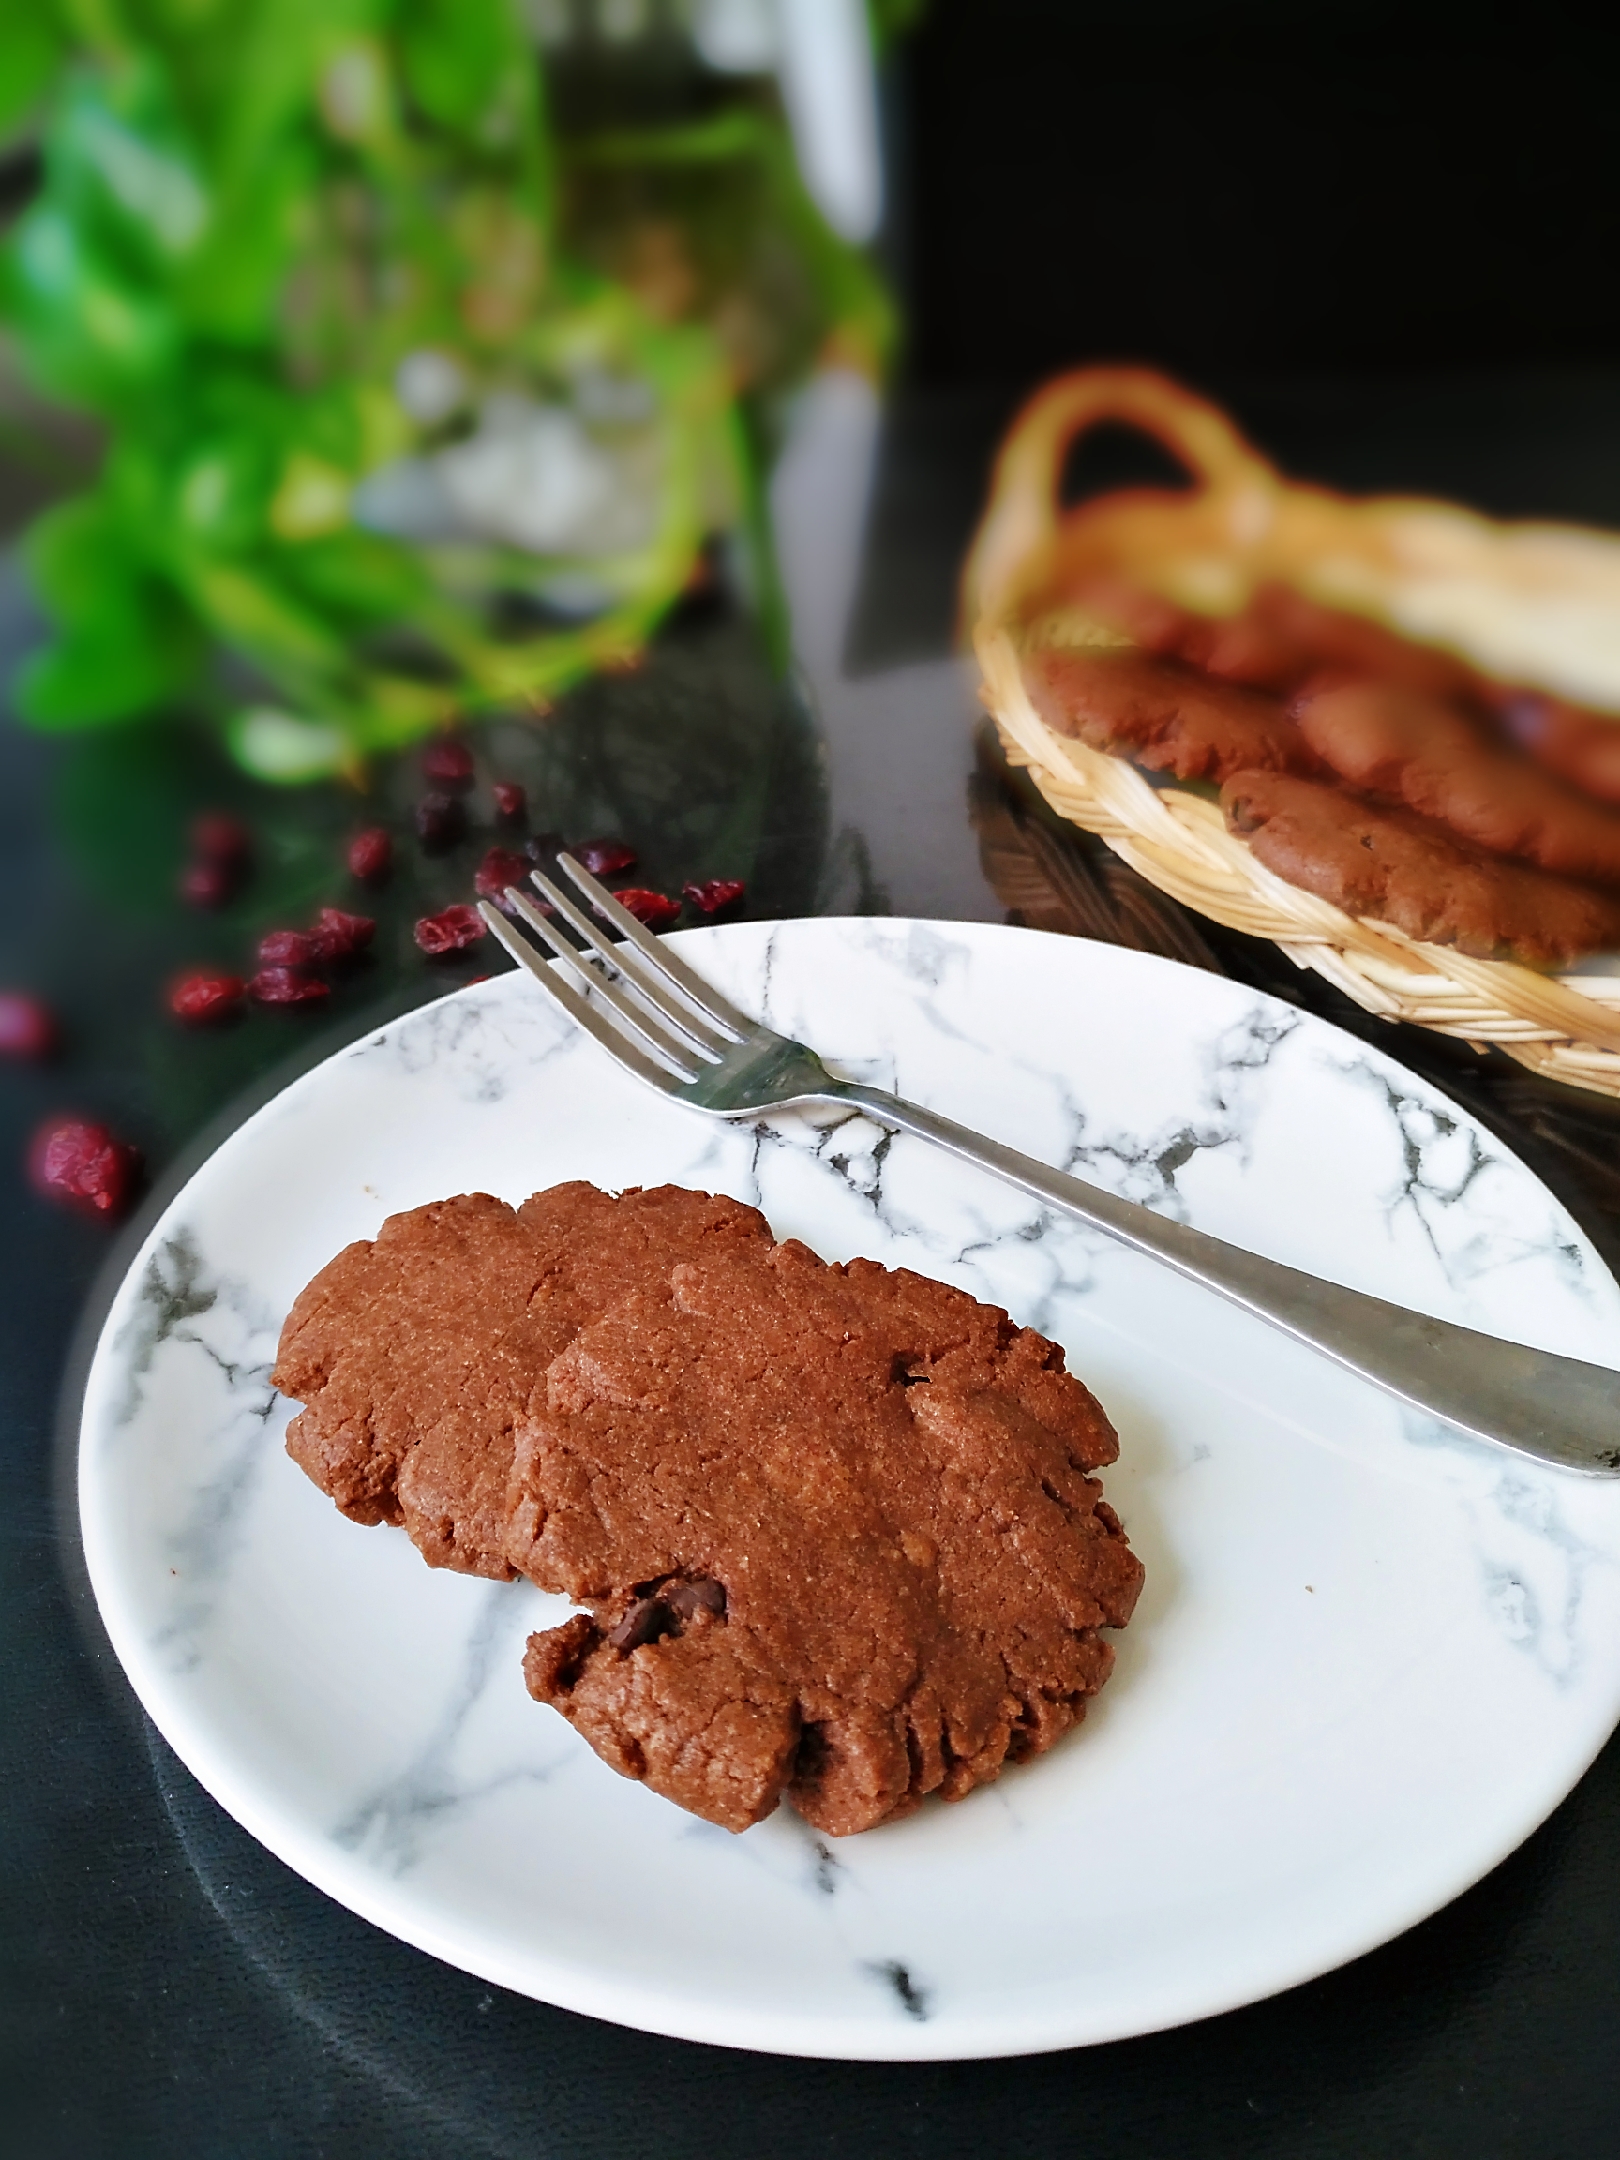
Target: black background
(1260,186)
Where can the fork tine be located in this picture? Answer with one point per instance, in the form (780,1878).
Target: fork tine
(675,1012)
(577,1008)
(624,1010)
(708,1000)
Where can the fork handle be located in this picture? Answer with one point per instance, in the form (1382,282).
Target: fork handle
(1557,1409)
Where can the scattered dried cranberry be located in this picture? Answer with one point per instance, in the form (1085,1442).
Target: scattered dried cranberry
(501,867)
(220,847)
(605,858)
(203,995)
(286,949)
(440,821)
(27,1028)
(448,763)
(511,800)
(451,930)
(713,894)
(652,908)
(337,936)
(208,884)
(82,1164)
(286,986)
(543,848)
(370,854)
(217,837)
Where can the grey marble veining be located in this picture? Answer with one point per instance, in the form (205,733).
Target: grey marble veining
(393,1821)
(172,1291)
(225,1335)
(1443,1157)
(485,1050)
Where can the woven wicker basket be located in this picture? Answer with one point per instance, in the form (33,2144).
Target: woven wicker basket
(1534,605)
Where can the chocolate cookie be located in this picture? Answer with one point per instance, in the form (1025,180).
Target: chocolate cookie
(1580,746)
(837,1532)
(1439,759)
(1162,714)
(1389,864)
(416,1355)
(1380,774)
(1276,643)
(1282,638)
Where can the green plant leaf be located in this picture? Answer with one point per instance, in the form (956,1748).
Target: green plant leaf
(114,669)
(459,57)
(119,164)
(124,639)
(32,48)
(358,575)
(244,606)
(85,332)
(233,286)
(77,554)
(219,492)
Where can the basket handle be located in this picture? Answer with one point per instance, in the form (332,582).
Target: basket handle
(1024,512)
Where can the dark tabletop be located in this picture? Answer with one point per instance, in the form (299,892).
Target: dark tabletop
(168,1988)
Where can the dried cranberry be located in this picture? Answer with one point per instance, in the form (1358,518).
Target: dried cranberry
(370,854)
(451,930)
(220,846)
(203,995)
(448,764)
(286,986)
(713,894)
(511,799)
(207,884)
(337,936)
(217,837)
(27,1028)
(440,821)
(501,867)
(652,908)
(543,848)
(605,858)
(84,1165)
(286,949)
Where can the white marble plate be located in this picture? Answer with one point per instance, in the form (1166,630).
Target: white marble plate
(1369,1659)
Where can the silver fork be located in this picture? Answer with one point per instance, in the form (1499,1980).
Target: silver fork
(670,1028)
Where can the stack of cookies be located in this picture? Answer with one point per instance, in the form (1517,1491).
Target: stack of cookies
(1388,778)
(833,1530)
